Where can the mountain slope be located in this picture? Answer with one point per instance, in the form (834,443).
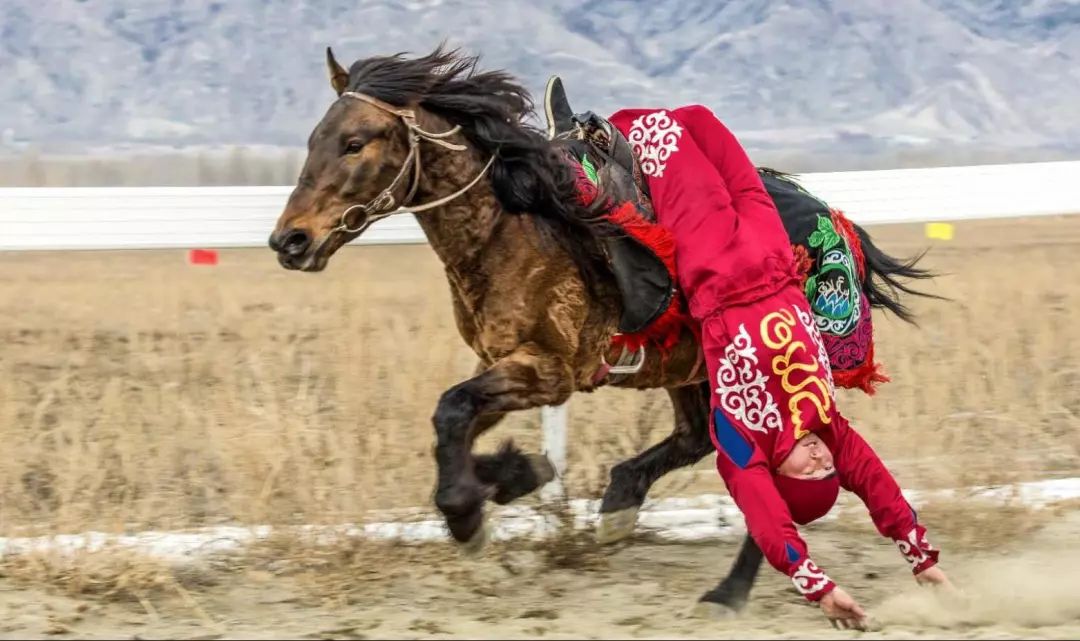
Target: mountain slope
(859,75)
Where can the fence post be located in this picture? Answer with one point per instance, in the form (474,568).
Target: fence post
(553,420)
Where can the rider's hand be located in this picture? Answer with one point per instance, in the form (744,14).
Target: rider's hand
(935,577)
(842,610)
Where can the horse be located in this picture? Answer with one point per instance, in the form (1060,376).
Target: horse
(533,292)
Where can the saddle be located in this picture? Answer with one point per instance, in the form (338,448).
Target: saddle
(645,285)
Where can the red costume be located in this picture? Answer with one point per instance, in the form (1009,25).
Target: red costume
(767,364)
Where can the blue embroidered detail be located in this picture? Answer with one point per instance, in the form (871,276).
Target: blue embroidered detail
(833,305)
(792,553)
(731,441)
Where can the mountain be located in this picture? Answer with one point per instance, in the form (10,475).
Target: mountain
(838,76)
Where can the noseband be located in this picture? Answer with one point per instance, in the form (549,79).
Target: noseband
(385,204)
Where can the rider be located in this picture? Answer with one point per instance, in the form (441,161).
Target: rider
(783,448)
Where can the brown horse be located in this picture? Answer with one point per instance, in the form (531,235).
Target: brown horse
(533,294)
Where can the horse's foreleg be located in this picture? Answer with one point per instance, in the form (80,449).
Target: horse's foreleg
(526,378)
(513,473)
(630,480)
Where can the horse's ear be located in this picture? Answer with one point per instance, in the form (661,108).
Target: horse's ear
(339,78)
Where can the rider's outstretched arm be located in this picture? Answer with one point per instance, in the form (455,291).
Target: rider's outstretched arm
(862,472)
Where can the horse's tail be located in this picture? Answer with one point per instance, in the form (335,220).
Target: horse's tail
(883,286)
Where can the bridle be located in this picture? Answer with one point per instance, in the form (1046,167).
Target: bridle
(385,204)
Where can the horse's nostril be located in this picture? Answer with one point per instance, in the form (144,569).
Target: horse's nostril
(296,242)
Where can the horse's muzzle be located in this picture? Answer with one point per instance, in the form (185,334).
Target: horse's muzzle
(292,247)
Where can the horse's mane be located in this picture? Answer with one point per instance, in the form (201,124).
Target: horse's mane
(529,175)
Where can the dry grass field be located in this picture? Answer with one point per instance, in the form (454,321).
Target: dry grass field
(138,392)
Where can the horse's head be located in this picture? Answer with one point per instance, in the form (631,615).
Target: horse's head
(416,134)
(360,167)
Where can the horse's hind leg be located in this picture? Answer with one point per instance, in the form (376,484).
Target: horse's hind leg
(630,480)
(733,592)
(527,378)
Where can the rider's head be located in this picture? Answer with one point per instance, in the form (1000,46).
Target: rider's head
(807,480)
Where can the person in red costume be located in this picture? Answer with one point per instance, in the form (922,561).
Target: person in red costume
(783,448)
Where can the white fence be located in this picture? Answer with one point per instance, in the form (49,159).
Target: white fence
(179,217)
(205,217)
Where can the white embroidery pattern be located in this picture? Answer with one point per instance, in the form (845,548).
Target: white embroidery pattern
(808,578)
(654,138)
(914,549)
(742,386)
(823,356)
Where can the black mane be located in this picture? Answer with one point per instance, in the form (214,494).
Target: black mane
(529,174)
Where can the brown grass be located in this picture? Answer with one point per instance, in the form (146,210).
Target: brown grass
(114,574)
(137,391)
(339,569)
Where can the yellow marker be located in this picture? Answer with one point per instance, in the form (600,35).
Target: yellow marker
(939,231)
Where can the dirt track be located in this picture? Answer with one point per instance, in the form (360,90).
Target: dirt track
(638,589)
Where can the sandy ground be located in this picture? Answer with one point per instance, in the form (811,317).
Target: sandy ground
(1018,588)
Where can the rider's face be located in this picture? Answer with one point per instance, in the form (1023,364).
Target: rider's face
(809,459)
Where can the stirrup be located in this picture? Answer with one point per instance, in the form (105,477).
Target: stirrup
(624,367)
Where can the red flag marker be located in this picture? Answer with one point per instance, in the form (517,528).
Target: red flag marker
(203,257)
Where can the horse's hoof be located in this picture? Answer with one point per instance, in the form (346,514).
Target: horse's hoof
(542,468)
(616,526)
(713,611)
(476,543)
(462,505)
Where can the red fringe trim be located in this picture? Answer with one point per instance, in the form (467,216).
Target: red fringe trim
(865,377)
(663,332)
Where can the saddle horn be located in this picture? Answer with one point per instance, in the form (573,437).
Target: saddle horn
(560,117)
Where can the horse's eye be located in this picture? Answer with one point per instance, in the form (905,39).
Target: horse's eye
(354,147)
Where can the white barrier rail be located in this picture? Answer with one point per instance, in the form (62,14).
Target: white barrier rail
(699,518)
(183,217)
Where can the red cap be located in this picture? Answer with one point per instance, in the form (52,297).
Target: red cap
(808,500)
